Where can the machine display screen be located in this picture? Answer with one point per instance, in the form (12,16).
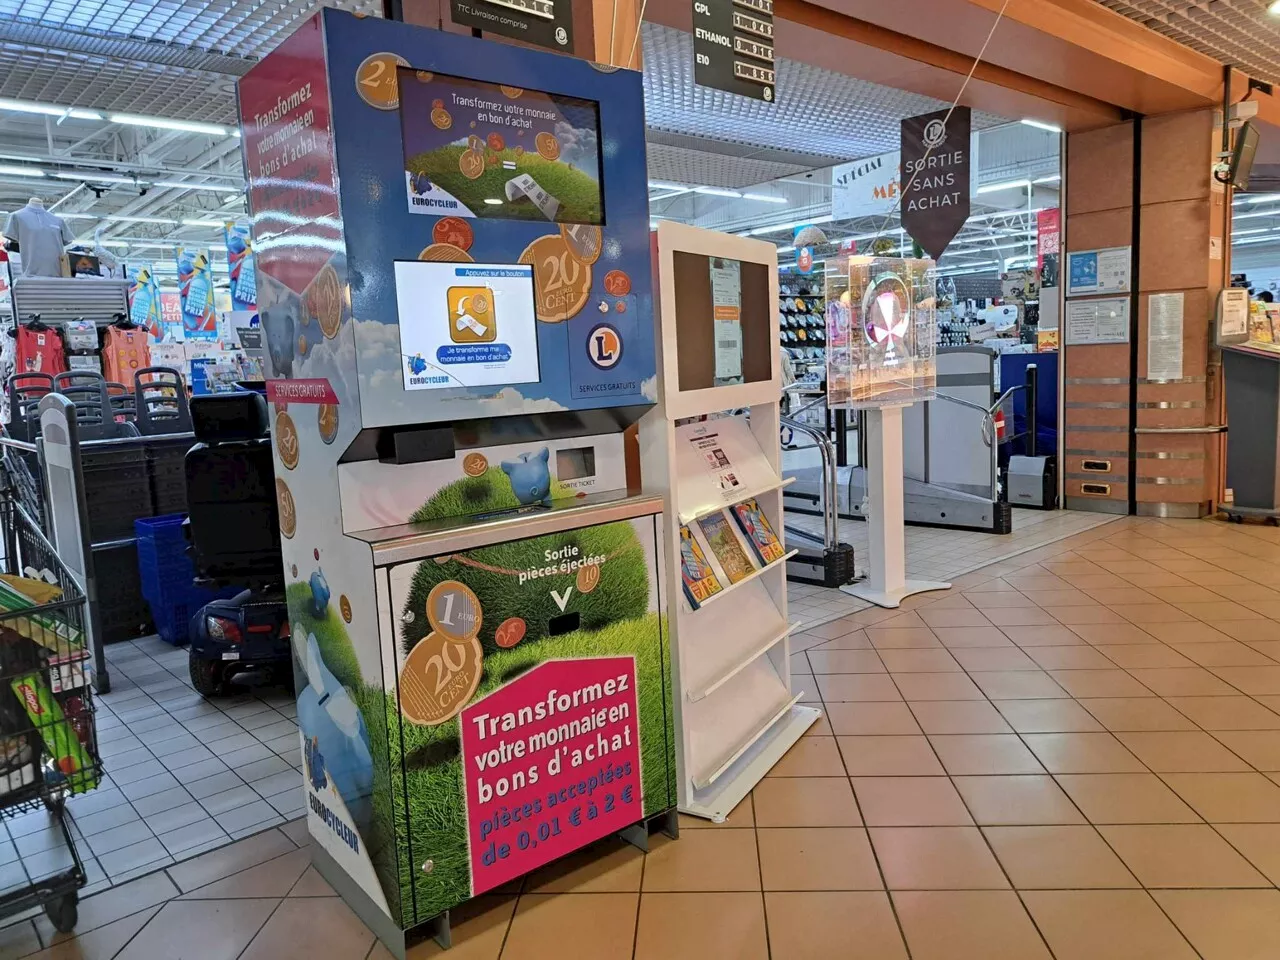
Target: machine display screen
(476,149)
(466,324)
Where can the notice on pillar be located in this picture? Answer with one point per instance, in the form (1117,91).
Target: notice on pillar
(935,177)
(733,46)
(551,762)
(1164,336)
(544,23)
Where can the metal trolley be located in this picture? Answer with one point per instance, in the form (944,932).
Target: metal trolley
(48,740)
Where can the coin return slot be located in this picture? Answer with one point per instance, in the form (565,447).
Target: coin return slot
(1097,466)
(1096,489)
(565,623)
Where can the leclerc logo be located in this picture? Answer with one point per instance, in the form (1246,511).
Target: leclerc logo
(604,346)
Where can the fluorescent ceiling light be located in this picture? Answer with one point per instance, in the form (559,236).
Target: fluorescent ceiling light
(668,196)
(786,250)
(1245,233)
(115,243)
(118,218)
(777,227)
(218,223)
(1041,125)
(659,185)
(763,198)
(163,123)
(93,176)
(11,171)
(1274,8)
(1007,185)
(215,187)
(718,192)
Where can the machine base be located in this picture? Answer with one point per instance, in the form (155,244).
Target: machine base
(892,598)
(825,568)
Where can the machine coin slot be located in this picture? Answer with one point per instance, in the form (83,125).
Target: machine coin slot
(1097,466)
(1096,489)
(565,623)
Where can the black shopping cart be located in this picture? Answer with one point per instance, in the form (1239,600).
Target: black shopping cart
(48,743)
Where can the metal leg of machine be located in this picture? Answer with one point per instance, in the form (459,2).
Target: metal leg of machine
(829,563)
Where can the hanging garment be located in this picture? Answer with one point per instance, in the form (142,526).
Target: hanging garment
(124,353)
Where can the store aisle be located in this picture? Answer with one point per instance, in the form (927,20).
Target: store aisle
(1075,754)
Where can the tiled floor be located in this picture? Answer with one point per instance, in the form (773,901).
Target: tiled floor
(183,775)
(1074,754)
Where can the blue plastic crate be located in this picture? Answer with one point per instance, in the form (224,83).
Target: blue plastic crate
(167,576)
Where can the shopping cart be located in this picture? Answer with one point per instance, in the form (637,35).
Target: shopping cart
(48,743)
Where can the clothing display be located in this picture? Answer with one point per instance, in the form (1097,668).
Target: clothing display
(125,352)
(41,237)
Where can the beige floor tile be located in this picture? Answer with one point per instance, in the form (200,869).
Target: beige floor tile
(919,661)
(1136,713)
(1082,753)
(937,686)
(936,858)
(1146,613)
(850,641)
(810,757)
(104,943)
(125,900)
(1227,924)
(997,658)
(1268,648)
(1140,655)
(217,929)
(910,802)
(1227,713)
(1016,801)
(478,928)
(230,859)
(1251,680)
(696,926)
(1249,630)
(1027,616)
(857,687)
(996,599)
(884,718)
(1182,682)
(845,661)
(275,878)
(1229,797)
(1113,682)
(889,757)
(958,716)
(1122,632)
(1066,597)
(1180,855)
(832,630)
(1080,616)
(1018,685)
(819,925)
(956,638)
(1105,925)
(905,638)
(703,860)
(1259,748)
(1217,611)
(1187,751)
(312,928)
(1126,798)
(968,925)
(739,817)
(827,858)
(610,866)
(978,754)
(1229,654)
(1047,716)
(1078,657)
(1187,631)
(311,884)
(1042,636)
(805,802)
(1057,858)
(20,940)
(957,618)
(603,927)
(1109,596)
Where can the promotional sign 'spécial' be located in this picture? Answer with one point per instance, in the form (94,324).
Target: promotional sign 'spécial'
(733,46)
(867,187)
(935,177)
(543,23)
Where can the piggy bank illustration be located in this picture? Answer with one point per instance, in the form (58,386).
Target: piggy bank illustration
(279,325)
(335,735)
(530,478)
(320,593)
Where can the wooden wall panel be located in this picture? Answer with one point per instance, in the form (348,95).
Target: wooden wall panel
(1100,168)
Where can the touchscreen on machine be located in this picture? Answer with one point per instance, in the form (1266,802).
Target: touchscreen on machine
(475,149)
(466,324)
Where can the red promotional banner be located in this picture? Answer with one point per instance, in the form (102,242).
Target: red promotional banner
(1048,234)
(301,391)
(551,762)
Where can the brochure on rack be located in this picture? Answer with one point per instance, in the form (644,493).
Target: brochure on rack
(719,463)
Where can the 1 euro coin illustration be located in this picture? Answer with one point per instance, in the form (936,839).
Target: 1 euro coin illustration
(453,610)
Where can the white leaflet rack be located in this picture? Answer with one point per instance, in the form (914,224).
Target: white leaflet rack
(737,710)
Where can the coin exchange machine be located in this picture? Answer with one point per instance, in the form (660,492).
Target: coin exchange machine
(455,291)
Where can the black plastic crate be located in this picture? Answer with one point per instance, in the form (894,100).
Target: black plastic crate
(117,487)
(167,464)
(123,614)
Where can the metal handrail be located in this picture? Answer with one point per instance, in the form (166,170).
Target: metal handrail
(826,450)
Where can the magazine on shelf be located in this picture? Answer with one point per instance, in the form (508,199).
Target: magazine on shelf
(724,544)
(758,531)
(700,581)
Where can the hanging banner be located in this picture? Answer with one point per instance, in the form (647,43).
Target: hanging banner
(241,266)
(733,46)
(144,301)
(936,161)
(866,188)
(543,23)
(195,292)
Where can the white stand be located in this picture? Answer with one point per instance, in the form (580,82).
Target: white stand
(886,584)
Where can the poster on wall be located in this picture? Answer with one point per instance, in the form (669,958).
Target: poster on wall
(1098,321)
(195,292)
(1098,271)
(144,301)
(866,188)
(241,266)
(936,187)
(543,23)
(171,317)
(733,47)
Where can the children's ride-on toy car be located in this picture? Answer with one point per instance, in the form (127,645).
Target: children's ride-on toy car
(233,527)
